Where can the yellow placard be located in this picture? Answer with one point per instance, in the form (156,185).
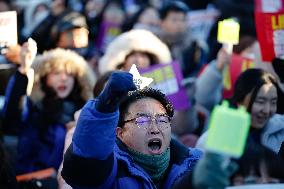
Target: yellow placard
(228,31)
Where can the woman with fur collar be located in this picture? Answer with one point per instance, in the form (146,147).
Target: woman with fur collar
(59,83)
(137,46)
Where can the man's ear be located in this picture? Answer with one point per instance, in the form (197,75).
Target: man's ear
(119,133)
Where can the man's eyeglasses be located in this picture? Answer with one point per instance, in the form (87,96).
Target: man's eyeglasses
(144,121)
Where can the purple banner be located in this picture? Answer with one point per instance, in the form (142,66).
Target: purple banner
(167,78)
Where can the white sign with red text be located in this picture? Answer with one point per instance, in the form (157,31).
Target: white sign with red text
(8,28)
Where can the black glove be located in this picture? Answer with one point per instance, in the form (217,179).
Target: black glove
(118,85)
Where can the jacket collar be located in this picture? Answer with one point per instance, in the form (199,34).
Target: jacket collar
(182,160)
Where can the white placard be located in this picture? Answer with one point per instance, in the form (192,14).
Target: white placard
(8,28)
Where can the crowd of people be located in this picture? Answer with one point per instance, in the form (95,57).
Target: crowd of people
(70,103)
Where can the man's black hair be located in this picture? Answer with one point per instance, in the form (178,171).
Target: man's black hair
(147,92)
(173,6)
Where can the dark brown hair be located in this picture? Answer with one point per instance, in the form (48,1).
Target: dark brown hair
(250,81)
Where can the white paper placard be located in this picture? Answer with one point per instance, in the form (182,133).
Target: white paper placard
(8,28)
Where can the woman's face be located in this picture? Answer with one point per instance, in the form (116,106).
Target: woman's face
(264,105)
(140,59)
(61,82)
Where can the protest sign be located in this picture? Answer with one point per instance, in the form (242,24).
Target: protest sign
(269,21)
(228,130)
(167,78)
(8,29)
(237,65)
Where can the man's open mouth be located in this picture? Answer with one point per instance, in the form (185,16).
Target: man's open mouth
(155,145)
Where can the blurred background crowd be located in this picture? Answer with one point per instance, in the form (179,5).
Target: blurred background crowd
(81,42)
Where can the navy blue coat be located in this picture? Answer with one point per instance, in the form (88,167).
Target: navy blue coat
(33,152)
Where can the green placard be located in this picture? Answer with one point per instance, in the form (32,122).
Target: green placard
(228,130)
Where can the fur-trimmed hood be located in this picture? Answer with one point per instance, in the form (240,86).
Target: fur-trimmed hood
(62,59)
(134,40)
